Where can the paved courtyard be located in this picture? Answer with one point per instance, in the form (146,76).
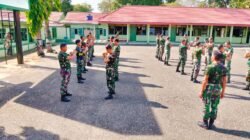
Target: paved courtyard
(152,102)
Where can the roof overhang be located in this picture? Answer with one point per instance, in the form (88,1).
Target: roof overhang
(19,5)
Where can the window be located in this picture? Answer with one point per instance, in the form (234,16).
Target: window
(76,31)
(181,30)
(101,31)
(222,31)
(200,30)
(141,30)
(2,33)
(115,29)
(24,34)
(238,32)
(158,30)
(54,33)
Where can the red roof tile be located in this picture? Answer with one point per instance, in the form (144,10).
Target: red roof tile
(81,17)
(161,15)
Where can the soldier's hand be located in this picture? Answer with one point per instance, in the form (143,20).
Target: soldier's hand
(201,95)
(222,95)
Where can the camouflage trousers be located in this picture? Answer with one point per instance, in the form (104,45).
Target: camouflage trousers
(167,57)
(211,99)
(90,53)
(182,63)
(196,69)
(110,75)
(228,65)
(161,52)
(65,81)
(79,66)
(208,59)
(157,51)
(116,68)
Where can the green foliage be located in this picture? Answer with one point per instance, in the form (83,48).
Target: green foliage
(240,3)
(84,7)
(66,6)
(218,3)
(172,4)
(107,6)
(40,11)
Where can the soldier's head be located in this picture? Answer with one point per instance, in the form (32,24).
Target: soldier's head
(221,48)
(82,38)
(185,35)
(116,42)
(197,38)
(168,38)
(183,41)
(88,36)
(112,39)
(198,44)
(63,47)
(84,45)
(78,42)
(217,56)
(109,48)
(228,44)
(210,40)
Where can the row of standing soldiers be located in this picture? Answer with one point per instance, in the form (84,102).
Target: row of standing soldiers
(217,71)
(83,54)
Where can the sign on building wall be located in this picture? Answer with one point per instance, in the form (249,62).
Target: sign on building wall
(14,4)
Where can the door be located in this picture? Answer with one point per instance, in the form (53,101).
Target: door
(132,33)
(97,33)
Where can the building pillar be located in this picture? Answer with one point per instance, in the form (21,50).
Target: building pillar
(191,32)
(169,30)
(128,32)
(231,33)
(211,30)
(148,33)
(107,32)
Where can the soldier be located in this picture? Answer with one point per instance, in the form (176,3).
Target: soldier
(209,51)
(194,44)
(79,61)
(222,51)
(182,57)
(198,52)
(65,72)
(109,59)
(93,45)
(111,41)
(168,46)
(185,37)
(116,49)
(229,54)
(157,46)
(247,56)
(89,45)
(162,47)
(85,54)
(213,89)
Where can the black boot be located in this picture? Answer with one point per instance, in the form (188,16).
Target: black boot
(203,124)
(246,88)
(177,69)
(211,123)
(109,97)
(68,94)
(82,78)
(64,98)
(89,64)
(196,81)
(79,80)
(183,73)
(192,79)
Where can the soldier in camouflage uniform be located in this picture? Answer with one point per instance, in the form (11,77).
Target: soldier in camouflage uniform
(79,61)
(182,57)
(157,46)
(109,59)
(85,54)
(229,54)
(213,89)
(162,47)
(168,51)
(90,49)
(65,72)
(116,50)
(221,49)
(198,52)
(247,56)
(209,51)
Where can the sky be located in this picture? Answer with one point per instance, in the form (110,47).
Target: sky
(93,3)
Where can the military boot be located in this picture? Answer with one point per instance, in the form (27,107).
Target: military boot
(109,97)
(79,80)
(211,123)
(246,88)
(64,98)
(183,73)
(68,94)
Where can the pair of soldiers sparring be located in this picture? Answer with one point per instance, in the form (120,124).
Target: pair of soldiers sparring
(111,58)
(163,45)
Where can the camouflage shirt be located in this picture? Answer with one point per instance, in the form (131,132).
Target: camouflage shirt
(63,61)
(111,62)
(162,42)
(79,53)
(116,50)
(215,73)
(168,45)
(183,51)
(197,54)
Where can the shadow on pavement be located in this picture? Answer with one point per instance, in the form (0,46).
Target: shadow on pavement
(243,134)
(239,97)
(129,113)
(28,133)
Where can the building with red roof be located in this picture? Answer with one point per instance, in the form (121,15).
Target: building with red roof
(142,23)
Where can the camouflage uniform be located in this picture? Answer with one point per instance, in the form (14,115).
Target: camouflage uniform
(248,74)
(85,57)
(196,63)
(162,47)
(79,61)
(157,47)
(110,74)
(211,96)
(182,57)
(229,61)
(209,52)
(65,71)
(168,51)
(116,50)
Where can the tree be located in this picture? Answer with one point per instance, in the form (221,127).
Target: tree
(107,6)
(84,7)
(218,3)
(172,4)
(240,3)
(66,6)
